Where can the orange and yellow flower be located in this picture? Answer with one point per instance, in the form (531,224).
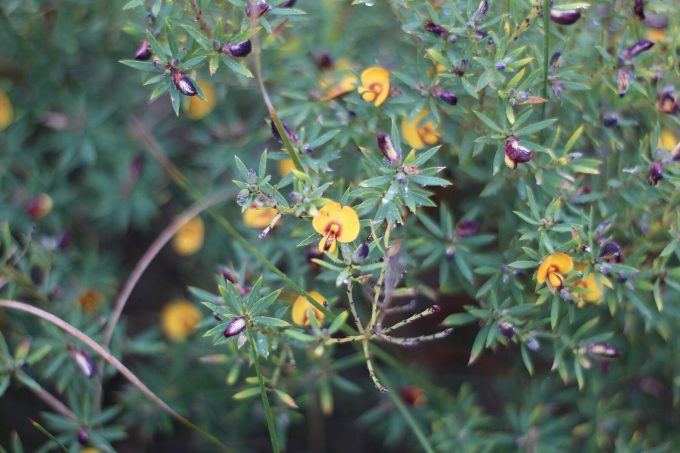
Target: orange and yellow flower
(285,166)
(593,287)
(337,224)
(553,268)
(189,238)
(301,307)
(259,217)
(6,111)
(179,319)
(375,85)
(418,133)
(90,300)
(667,140)
(198,108)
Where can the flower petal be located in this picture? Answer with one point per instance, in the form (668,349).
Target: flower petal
(189,238)
(329,213)
(259,217)
(409,130)
(301,305)
(561,261)
(349,221)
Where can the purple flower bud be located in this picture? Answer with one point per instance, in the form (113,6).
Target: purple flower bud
(655,173)
(447,96)
(83,436)
(143,51)
(386,145)
(450,252)
(235,327)
(481,11)
(84,362)
(506,328)
(183,83)
(436,29)
(360,253)
(501,66)
(610,120)
(668,103)
(636,49)
(287,4)
(238,50)
(467,228)
(610,252)
(603,350)
(256,8)
(292,135)
(623,80)
(64,240)
(566,17)
(515,153)
(639,9)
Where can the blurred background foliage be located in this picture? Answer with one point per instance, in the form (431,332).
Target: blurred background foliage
(88,177)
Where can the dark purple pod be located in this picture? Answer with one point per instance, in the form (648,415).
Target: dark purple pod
(238,50)
(323,61)
(668,103)
(360,253)
(143,51)
(83,436)
(639,9)
(292,135)
(183,83)
(287,4)
(235,327)
(447,96)
(610,252)
(481,11)
(655,173)
(467,228)
(610,120)
(636,49)
(506,328)
(623,80)
(566,17)
(256,8)
(436,29)
(64,240)
(555,60)
(386,145)
(515,153)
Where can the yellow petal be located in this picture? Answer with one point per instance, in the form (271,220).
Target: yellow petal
(656,34)
(409,130)
(667,140)
(555,279)
(326,246)
(179,319)
(285,166)
(189,238)
(198,108)
(259,217)
(349,225)
(329,213)
(336,89)
(301,305)
(377,80)
(561,262)
(6,111)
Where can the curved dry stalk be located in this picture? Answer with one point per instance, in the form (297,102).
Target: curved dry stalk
(53,402)
(96,347)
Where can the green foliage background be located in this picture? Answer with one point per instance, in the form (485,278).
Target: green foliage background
(78,135)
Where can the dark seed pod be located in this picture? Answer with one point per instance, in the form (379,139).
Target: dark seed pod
(84,362)
(447,96)
(436,29)
(450,253)
(292,135)
(83,436)
(555,60)
(235,327)
(64,240)
(567,17)
(256,8)
(467,228)
(183,83)
(668,103)
(636,49)
(623,80)
(515,153)
(655,173)
(386,145)
(610,120)
(639,9)
(323,61)
(610,252)
(507,329)
(143,51)
(603,350)
(360,253)
(287,4)
(238,50)
(480,12)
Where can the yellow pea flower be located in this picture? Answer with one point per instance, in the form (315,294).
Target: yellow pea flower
(90,300)
(375,85)
(198,108)
(553,267)
(656,34)
(301,305)
(179,319)
(594,287)
(339,82)
(259,217)
(189,238)
(419,134)
(285,166)
(6,111)
(667,140)
(337,224)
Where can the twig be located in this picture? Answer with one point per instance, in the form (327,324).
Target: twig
(415,341)
(199,18)
(53,402)
(381,388)
(353,308)
(433,309)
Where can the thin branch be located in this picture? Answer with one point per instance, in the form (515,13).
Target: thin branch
(353,308)
(433,309)
(415,341)
(367,354)
(199,18)
(54,403)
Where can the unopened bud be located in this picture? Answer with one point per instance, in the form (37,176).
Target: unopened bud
(84,362)
(235,327)
(466,228)
(611,252)
(286,4)
(623,80)
(256,8)
(636,49)
(566,17)
(143,51)
(183,83)
(447,96)
(360,253)
(436,29)
(668,103)
(292,135)
(237,50)
(610,120)
(386,145)
(38,207)
(655,173)
(639,9)
(506,328)
(515,153)
(83,436)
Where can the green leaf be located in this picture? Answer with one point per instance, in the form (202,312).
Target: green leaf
(146,66)
(270,322)
(488,122)
(247,393)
